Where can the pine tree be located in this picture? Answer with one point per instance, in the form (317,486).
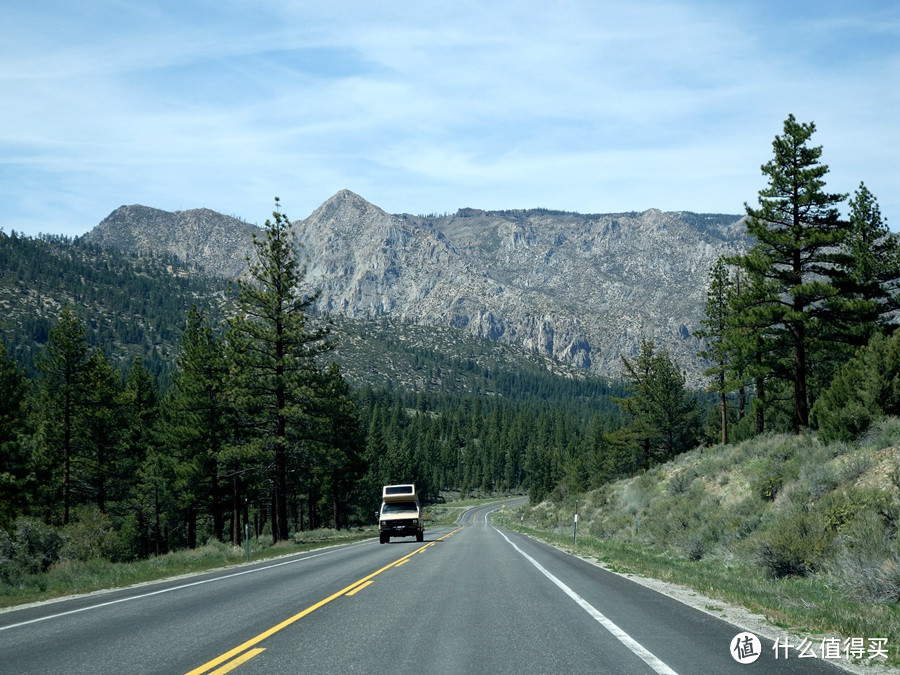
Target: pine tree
(197,425)
(340,442)
(662,414)
(272,347)
(637,407)
(140,402)
(140,454)
(798,230)
(97,465)
(870,260)
(757,353)
(715,332)
(62,400)
(13,458)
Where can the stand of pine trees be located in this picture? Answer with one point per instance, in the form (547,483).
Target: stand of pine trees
(167,469)
(253,426)
(782,319)
(250,423)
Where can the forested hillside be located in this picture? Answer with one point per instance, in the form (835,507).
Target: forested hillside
(132,306)
(125,408)
(159,409)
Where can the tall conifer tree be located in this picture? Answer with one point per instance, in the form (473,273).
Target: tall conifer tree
(140,403)
(99,461)
(798,230)
(197,428)
(341,442)
(870,260)
(62,366)
(662,414)
(13,459)
(715,332)
(272,347)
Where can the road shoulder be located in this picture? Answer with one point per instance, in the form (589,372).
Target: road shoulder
(738,616)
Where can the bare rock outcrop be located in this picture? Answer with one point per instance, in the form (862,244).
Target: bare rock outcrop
(582,288)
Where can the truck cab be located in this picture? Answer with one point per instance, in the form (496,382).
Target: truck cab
(400,514)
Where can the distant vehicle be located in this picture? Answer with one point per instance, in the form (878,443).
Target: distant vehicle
(401,513)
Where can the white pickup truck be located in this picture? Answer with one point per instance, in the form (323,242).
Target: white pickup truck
(401,514)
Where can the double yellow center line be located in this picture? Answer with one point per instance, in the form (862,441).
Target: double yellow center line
(243,652)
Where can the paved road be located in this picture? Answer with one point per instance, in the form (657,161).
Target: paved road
(470,599)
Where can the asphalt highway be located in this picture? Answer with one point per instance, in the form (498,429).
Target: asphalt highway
(473,598)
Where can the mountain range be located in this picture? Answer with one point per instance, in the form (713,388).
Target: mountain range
(582,288)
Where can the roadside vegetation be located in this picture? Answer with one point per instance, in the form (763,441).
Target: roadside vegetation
(803,532)
(41,562)
(113,473)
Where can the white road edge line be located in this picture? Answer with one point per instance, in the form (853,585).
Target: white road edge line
(165,590)
(637,648)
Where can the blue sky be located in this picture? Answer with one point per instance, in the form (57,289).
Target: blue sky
(427,106)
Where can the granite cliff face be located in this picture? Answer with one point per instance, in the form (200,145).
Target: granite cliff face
(215,243)
(582,288)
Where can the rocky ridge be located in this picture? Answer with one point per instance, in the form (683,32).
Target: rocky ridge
(215,243)
(582,288)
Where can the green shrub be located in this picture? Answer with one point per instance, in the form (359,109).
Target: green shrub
(31,550)
(744,428)
(867,562)
(8,571)
(865,389)
(769,480)
(680,482)
(91,536)
(840,507)
(845,422)
(795,544)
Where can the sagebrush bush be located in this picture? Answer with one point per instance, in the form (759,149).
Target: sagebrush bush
(842,506)
(795,543)
(884,434)
(819,479)
(698,542)
(674,519)
(855,465)
(768,479)
(681,482)
(612,524)
(867,561)
(742,519)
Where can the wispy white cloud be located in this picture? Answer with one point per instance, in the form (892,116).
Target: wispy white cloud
(429,107)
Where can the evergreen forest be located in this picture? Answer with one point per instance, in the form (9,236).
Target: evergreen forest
(156,409)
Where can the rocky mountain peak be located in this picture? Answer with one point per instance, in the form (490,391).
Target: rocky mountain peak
(346,207)
(583,288)
(216,243)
